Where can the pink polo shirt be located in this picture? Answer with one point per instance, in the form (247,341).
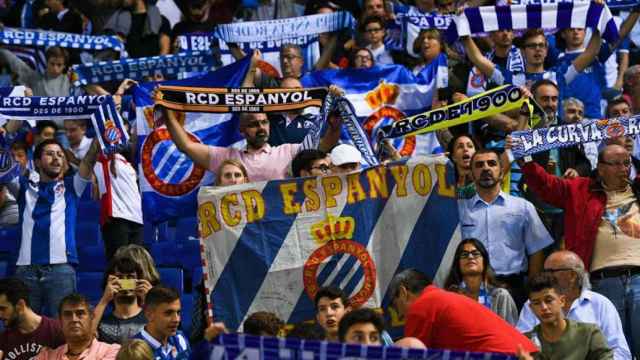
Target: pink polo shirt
(268,163)
(97,350)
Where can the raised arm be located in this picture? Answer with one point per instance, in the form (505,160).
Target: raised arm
(85,169)
(197,152)
(586,58)
(477,59)
(16,65)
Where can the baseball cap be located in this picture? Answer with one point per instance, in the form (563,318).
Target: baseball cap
(345,154)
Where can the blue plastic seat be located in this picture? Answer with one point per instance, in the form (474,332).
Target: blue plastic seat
(92,258)
(90,285)
(186,228)
(172,277)
(186,301)
(9,241)
(4,269)
(88,233)
(88,211)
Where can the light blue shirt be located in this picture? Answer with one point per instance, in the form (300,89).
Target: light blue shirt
(592,308)
(509,227)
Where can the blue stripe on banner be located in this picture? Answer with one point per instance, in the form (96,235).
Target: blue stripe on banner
(475,19)
(328,268)
(504,17)
(435,222)
(351,285)
(366,214)
(40,238)
(169,166)
(344,270)
(565,11)
(534,16)
(230,308)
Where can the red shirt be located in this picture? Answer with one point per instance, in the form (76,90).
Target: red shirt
(446,320)
(18,346)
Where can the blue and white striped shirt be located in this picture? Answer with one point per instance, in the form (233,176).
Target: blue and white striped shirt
(177,347)
(48,218)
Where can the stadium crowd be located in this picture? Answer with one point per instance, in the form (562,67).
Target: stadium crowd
(549,264)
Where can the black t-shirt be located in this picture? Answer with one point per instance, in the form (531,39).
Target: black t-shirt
(143,46)
(113,330)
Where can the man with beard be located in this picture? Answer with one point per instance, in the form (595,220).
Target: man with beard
(581,304)
(48,204)
(26,332)
(508,226)
(127,317)
(76,318)
(262,161)
(162,309)
(601,218)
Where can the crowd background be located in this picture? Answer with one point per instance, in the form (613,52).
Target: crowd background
(573,75)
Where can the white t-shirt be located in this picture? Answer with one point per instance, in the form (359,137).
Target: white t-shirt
(119,195)
(82,148)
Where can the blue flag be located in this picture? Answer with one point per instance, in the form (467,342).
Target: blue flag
(168,178)
(384,94)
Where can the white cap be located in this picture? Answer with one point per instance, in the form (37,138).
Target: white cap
(345,154)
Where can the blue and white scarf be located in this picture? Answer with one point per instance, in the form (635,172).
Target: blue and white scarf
(530,142)
(563,15)
(357,134)
(278,29)
(100,109)
(138,68)
(477,82)
(612,4)
(29,37)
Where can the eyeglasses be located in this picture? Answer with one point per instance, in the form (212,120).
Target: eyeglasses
(364,57)
(624,163)
(322,168)
(556,270)
(535,46)
(373,30)
(470,254)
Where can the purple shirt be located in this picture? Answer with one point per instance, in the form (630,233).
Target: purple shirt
(268,163)
(18,346)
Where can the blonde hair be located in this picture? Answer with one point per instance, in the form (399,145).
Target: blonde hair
(141,256)
(235,163)
(135,349)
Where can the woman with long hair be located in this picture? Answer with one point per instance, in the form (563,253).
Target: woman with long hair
(231,172)
(471,274)
(461,148)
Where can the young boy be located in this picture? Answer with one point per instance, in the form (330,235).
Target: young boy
(556,336)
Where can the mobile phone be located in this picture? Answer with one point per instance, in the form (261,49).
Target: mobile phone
(127,284)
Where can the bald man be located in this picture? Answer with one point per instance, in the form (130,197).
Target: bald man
(602,226)
(581,304)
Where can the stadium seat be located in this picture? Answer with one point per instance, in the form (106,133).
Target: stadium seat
(88,233)
(172,277)
(92,258)
(90,285)
(9,241)
(4,269)
(186,228)
(88,211)
(186,301)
